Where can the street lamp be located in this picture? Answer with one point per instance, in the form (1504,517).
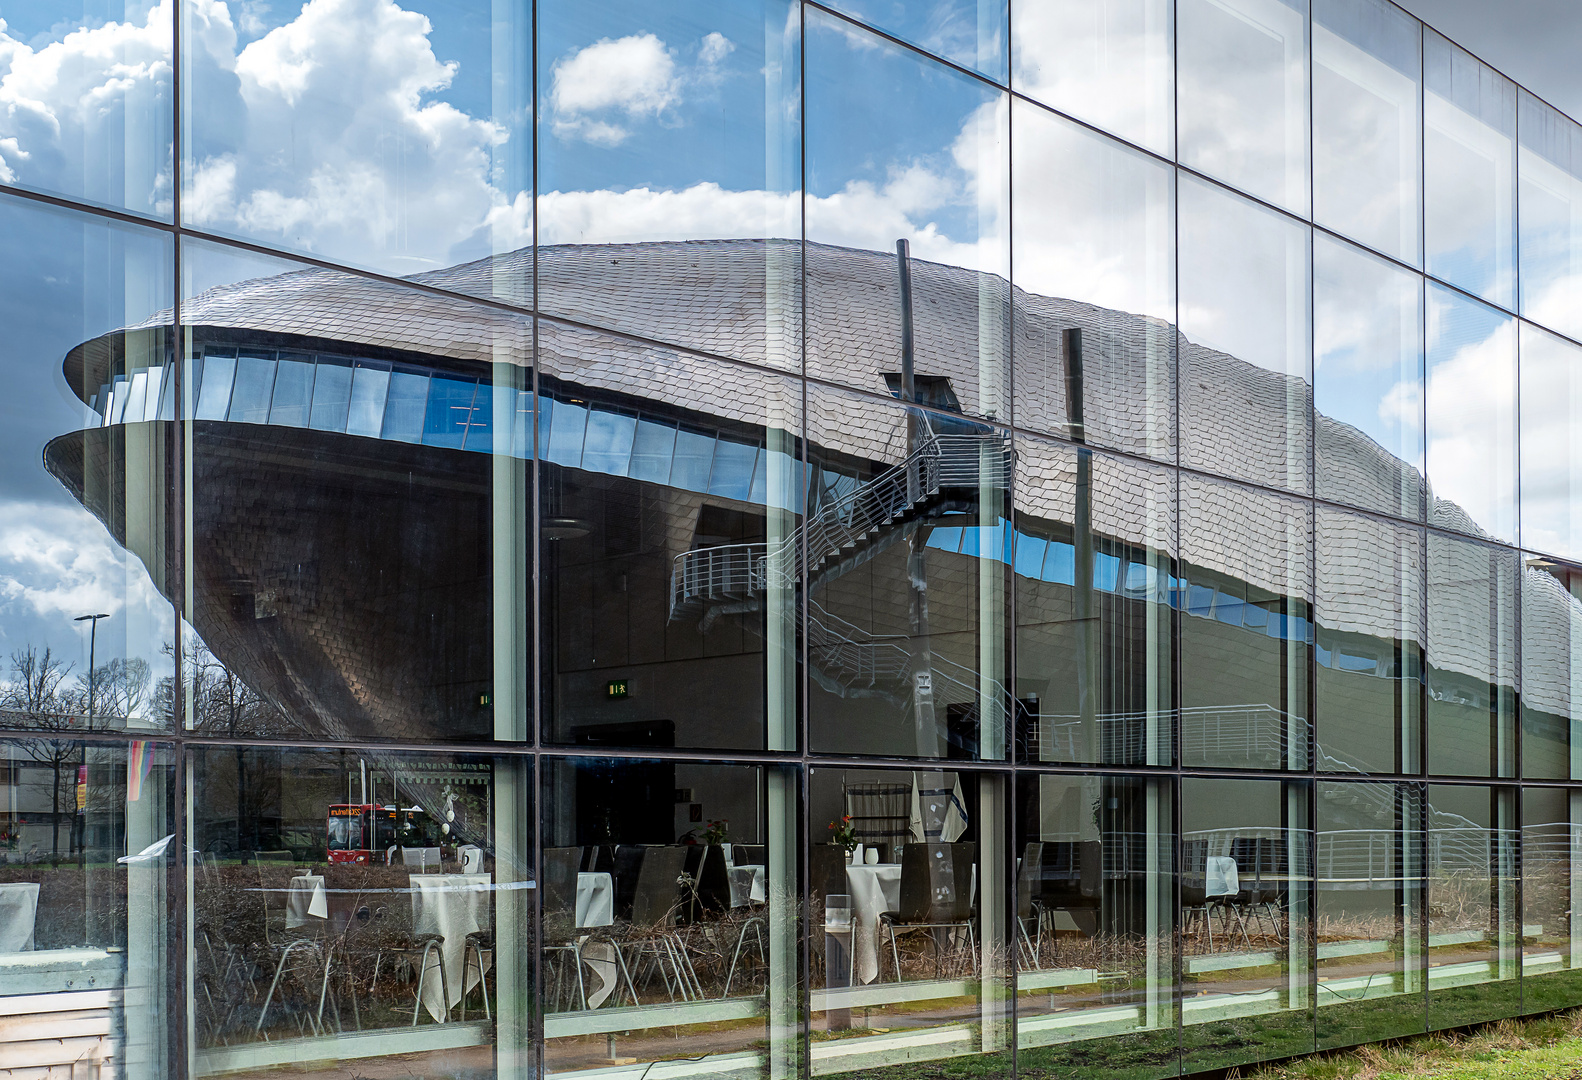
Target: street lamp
(93,635)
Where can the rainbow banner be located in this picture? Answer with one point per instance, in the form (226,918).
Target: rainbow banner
(139,761)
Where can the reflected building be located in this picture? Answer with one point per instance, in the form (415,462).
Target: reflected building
(793,619)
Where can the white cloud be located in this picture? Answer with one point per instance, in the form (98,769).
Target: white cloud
(62,103)
(632,77)
(715,48)
(1472,414)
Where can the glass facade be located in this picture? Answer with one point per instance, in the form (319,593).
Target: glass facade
(780,539)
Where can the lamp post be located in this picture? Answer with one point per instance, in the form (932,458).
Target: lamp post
(93,635)
(93,640)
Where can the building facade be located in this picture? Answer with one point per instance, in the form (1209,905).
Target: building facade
(777,539)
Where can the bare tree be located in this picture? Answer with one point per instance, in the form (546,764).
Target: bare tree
(118,690)
(37,702)
(221,702)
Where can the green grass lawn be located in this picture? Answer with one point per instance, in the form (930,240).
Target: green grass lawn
(1548,1048)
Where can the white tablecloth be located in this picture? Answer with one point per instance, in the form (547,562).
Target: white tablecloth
(18,910)
(874,889)
(595,899)
(1221,878)
(306,901)
(747,885)
(453,905)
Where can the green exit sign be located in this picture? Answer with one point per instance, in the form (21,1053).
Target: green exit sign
(616,688)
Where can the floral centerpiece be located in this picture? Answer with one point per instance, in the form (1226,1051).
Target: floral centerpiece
(716,832)
(842,833)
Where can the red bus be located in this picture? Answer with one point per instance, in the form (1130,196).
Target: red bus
(364,832)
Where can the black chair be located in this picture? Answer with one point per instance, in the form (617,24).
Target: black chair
(748,854)
(936,896)
(649,944)
(1028,909)
(826,872)
(1256,898)
(1194,892)
(711,889)
(560,924)
(626,865)
(1071,879)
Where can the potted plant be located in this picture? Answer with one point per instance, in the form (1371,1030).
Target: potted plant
(843,835)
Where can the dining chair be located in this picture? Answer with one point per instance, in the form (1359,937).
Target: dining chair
(560,921)
(936,897)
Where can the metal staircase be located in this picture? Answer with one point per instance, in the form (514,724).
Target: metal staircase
(842,534)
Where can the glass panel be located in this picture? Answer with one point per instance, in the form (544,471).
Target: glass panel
(450,410)
(332,392)
(255,384)
(1549,170)
(1469,149)
(88,881)
(1367,380)
(1367,70)
(906,639)
(1471,404)
(1095,891)
(1109,62)
(1093,630)
(1551,861)
(1095,287)
(1473,960)
(1242,95)
(909,878)
(356,905)
(670,912)
(385,137)
(293,391)
(653,447)
(967,32)
(1370,912)
(1551,450)
(677,579)
(1369,614)
(1551,670)
(900,147)
(1245,393)
(303,621)
(1245,630)
(1246,932)
(405,406)
(370,387)
(89,110)
(85,571)
(671,191)
(214,395)
(1471,658)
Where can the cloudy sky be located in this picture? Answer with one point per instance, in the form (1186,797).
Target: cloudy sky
(392,134)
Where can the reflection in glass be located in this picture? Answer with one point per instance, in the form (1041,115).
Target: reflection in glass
(1367,380)
(1551,596)
(1473,963)
(669,913)
(88,90)
(900,147)
(971,33)
(683,186)
(1094,907)
(908,893)
(669,545)
(1551,448)
(85,438)
(1471,410)
(1369,616)
(1095,287)
(345,904)
(1244,598)
(381,137)
(1471,658)
(1469,159)
(1370,911)
(1245,392)
(301,618)
(1367,66)
(1246,884)
(1551,835)
(87,890)
(1549,170)
(1242,95)
(1094,547)
(906,569)
(1109,62)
